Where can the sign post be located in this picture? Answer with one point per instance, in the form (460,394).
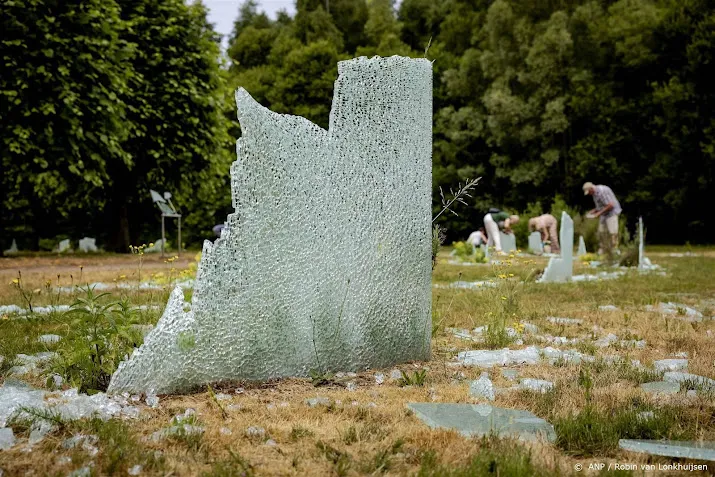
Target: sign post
(167,210)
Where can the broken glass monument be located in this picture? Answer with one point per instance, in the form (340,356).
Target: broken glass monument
(325,264)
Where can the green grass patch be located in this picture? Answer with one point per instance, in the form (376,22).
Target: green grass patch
(495,457)
(596,432)
(234,466)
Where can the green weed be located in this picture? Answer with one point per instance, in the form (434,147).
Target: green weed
(382,461)
(468,253)
(416,378)
(24,419)
(495,457)
(188,431)
(437,241)
(595,432)
(605,372)
(27,295)
(342,462)
(369,431)
(119,447)
(318,378)
(586,347)
(234,466)
(99,337)
(299,432)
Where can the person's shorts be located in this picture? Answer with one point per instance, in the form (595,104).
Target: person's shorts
(610,224)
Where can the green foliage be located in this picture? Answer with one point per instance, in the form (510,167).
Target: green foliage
(605,373)
(64,67)
(23,420)
(629,252)
(521,228)
(416,378)
(462,249)
(178,137)
(496,335)
(187,430)
(298,432)
(540,97)
(381,462)
(119,445)
(234,466)
(342,462)
(99,337)
(101,103)
(589,257)
(467,253)
(505,308)
(502,457)
(595,432)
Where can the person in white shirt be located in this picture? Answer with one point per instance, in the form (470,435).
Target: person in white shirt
(477,238)
(493,222)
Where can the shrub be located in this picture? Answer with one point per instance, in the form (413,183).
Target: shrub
(467,253)
(99,338)
(462,250)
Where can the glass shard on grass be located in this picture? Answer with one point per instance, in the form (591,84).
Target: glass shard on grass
(700,450)
(325,264)
(483,420)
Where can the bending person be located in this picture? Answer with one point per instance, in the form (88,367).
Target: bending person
(607,210)
(477,238)
(494,221)
(546,225)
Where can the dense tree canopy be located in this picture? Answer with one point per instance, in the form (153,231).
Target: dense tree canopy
(536,97)
(103,100)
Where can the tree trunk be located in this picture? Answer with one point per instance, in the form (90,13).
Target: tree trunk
(118,224)
(123,241)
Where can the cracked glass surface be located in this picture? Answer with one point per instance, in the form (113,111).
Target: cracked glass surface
(325,264)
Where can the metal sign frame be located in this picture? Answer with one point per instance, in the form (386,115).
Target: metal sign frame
(167,210)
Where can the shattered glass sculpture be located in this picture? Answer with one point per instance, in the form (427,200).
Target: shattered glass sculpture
(325,264)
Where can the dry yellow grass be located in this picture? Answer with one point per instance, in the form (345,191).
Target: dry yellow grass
(365,424)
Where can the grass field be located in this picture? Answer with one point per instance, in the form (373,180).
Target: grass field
(267,428)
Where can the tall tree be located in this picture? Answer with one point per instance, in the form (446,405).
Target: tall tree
(62,125)
(248,15)
(177,133)
(383,31)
